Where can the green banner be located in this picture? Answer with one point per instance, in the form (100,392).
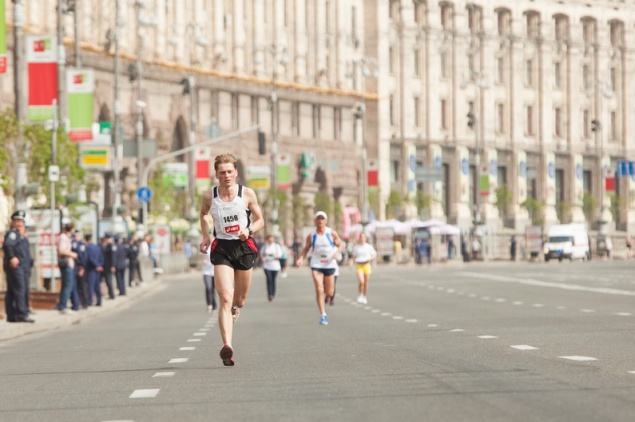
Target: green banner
(80,87)
(3,39)
(484,184)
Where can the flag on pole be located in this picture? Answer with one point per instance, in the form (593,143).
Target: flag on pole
(41,56)
(3,39)
(80,84)
(284,171)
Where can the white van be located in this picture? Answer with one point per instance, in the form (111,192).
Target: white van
(570,241)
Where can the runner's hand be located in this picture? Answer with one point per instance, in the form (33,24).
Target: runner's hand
(205,244)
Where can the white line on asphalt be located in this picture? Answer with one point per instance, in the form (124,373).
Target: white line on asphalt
(199,334)
(450,290)
(487,337)
(578,358)
(538,305)
(187,348)
(411,320)
(524,347)
(397,317)
(560,307)
(178,360)
(433,325)
(375,311)
(587,311)
(457,330)
(145,394)
(540,283)
(127,420)
(203,329)
(517,303)
(193,340)
(163,374)
(385,314)
(501,300)
(631,372)
(623,314)
(472,295)
(485,297)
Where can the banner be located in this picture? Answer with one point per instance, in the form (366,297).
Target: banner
(550,167)
(436,152)
(372,177)
(463,157)
(258,177)
(3,39)
(175,174)
(521,168)
(283,176)
(411,159)
(578,184)
(80,84)
(41,57)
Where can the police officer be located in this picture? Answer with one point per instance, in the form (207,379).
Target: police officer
(27,265)
(106,252)
(133,261)
(14,264)
(94,268)
(81,281)
(119,263)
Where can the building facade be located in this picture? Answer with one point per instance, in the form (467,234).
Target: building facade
(524,102)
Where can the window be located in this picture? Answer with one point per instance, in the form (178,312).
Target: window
(529,120)
(613,76)
(392,110)
(444,115)
(255,111)
(417,59)
(391,64)
(588,32)
(417,108)
(500,118)
(295,119)
(444,65)
(585,77)
(503,23)
(557,75)
(557,122)
(316,121)
(529,76)
(446,17)
(418,11)
(235,111)
(616,34)
(337,123)
(354,27)
(532,21)
(614,134)
(586,124)
(394,171)
(500,70)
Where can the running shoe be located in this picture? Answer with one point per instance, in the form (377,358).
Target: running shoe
(227,355)
(364,300)
(360,299)
(324,320)
(235,313)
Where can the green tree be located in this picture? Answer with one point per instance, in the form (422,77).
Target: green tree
(563,210)
(617,202)
(423,202)
(535,210)
(323,202)
(298,213)
(504,200)
(393,204)
(166,200)
(589,203)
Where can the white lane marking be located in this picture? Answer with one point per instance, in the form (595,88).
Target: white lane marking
(199,334)
(560,307)
(472,295)
(145,394)
(587,311)
(578,358)
(631,372)
(163,374)
(178,360)
(433,325)
(411,320)
(540,283)
(204,329)
(538,305)
(397,317)
(487,337)
(123,420)
(193,340)
(385,314)
(623,314)
(517,303)
(187,348)
(450,290)
(501,300)
(485,297)
(457,330)
(524,347)
(375,311)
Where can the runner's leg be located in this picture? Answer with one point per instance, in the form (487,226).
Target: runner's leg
(224,283)
(318,280)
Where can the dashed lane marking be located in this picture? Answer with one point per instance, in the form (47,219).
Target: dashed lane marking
(187,348)
(145,394)
(501,300)
(631,372)
(178,360)
(200,334)
(457,330)
(623,314)
(386,314)
(204,329)
(411,320)
(375,311)
(538,305)
(524,347)
(587,311)
(397,317)
(517,303)
(163,374)
(487,337)
(433,325)
(193,340)
(578,358)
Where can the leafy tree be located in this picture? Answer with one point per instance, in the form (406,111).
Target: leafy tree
(564,212)
(504,200)
(589,203)
(535,210)
(166,200)
(617,202)
(299,212)
(423,202)
(393,204)
(323,202)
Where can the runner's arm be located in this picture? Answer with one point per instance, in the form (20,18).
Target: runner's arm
(305,251)
(206,205)
(257,222)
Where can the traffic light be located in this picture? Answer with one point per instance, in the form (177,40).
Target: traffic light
(595,125)
(471,120)
(186,86)
(262,150)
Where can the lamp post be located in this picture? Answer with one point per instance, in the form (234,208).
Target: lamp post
(116,131)
(138,69)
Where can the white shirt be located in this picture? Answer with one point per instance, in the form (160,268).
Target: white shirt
(322,250)
(364,253)
(208,267)
(229,217)
(65,245)
(271,256)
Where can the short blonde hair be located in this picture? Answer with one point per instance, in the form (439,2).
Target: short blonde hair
(224,159)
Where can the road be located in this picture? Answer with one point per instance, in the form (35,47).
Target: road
(474,342)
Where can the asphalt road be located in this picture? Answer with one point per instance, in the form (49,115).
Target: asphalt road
(476,342)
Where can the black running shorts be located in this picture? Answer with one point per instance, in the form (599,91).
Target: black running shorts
(234,253)
(326,271)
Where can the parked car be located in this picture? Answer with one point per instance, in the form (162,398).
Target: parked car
(567,241)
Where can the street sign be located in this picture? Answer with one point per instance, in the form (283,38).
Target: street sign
(429,174)
(148,147)
(144,194)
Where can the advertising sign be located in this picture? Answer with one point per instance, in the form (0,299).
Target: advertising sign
(95,157)
(372,174)
(463,157)
(411,160)
(258,177)
(41,58)
(80,84)
(284,171)
(384,241)
(175,174)
(3,39)
(48,234)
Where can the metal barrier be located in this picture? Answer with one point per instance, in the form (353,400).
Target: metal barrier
(170,264)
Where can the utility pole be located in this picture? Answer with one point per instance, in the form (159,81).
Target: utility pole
(61,63)
(274,141)
(116,138)
(18,75)
(191,85)
(74,5)
(53,177)
(140,104)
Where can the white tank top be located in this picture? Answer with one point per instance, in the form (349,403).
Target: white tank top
(322,250)
(229,217)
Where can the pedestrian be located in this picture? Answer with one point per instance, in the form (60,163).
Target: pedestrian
(133,261)
(476,248)
(464,251)
(187,250)
(429,250)
(81,278)
(325,246)
(66,259)
(363,254)
(451,248)
(27,265)
(76,293)
(208,279)
(629,246)
(94,268)
(119,263)
(295,248)
(283,260)
(512,248)
(109,269)
(233,251)
(13,265)
(270,254)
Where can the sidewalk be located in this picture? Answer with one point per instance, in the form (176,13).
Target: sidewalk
(48,320)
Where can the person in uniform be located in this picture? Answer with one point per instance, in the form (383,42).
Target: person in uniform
(27,266)
(233,251)
(325,246)
(14,263)
(119,263)
(133,261)
(94,268)
(81,281)
(109,269)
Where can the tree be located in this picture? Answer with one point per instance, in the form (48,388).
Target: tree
(504,200)
(535,210)
(423,202)
(324,202)
(166,200)
(563,211)
(393,204)
(589,203)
